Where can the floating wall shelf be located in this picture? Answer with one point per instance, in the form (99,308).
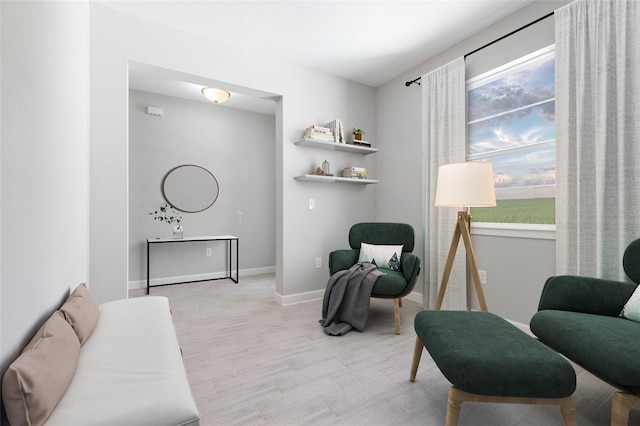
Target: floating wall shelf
(335,146)
(333,179)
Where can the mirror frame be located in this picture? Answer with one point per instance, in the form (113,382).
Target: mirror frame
(164,193)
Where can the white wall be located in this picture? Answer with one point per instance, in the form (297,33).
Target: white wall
(44,165)
(238,147)
(305,97)
(515,267)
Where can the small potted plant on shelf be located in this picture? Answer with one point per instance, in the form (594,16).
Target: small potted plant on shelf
(357,133)
(168,214)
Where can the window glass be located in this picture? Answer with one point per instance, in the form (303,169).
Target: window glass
(511,114)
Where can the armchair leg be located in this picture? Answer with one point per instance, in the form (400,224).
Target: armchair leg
(397,302)
(415,362)
(621,404)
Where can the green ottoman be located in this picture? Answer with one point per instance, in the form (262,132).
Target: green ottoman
(487,359)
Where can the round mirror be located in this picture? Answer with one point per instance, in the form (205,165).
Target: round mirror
(190,188)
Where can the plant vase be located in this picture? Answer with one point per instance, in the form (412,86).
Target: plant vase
(177,232)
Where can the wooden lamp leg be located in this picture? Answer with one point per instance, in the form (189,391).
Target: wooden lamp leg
(462,230)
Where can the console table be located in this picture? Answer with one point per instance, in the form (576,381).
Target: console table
(228,238)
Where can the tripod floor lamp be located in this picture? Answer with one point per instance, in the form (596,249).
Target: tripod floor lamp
(468,184)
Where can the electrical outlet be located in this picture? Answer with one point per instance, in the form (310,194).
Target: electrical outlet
(483,276)
(207,252)
(318,262)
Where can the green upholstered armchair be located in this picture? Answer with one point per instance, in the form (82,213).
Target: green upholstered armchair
(580,318)
(395,284)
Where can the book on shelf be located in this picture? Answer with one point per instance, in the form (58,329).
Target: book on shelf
(354,172)
(327,137)
(337,128)
(319,133)
(318,137)
(319,129)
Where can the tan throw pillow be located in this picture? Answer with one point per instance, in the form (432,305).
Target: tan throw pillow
(81,311)
(35,382)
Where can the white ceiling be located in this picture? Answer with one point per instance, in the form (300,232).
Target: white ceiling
(369,42)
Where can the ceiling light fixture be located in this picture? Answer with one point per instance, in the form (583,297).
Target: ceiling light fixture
(216,96)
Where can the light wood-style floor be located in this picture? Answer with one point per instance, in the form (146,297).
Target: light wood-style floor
(253,362)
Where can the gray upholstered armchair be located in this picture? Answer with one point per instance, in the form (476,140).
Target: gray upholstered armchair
(394,284)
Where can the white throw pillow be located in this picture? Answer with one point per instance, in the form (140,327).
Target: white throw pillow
(384,257)
(631,309)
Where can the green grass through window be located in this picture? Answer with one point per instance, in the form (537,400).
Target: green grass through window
(531,210)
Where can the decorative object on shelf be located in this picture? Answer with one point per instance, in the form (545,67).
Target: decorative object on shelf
(357,133)
(326,167)
(323,170)
(168,214)
(467,184)
(177,232)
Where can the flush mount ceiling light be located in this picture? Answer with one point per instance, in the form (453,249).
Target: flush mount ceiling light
(215,95)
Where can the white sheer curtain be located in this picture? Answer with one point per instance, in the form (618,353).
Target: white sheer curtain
(443,142)
(597,135)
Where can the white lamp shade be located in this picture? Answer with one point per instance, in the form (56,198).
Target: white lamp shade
(468,184)
(215,95)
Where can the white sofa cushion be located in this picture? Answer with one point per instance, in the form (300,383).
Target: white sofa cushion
(130,370)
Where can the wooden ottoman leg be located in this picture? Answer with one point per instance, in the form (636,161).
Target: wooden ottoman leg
(454,403)
(417,354)
(621,404)
(567,411)
(457,397)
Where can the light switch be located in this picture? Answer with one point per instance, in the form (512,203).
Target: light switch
(312,203)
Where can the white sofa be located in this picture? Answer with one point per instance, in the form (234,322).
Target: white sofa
(128,371)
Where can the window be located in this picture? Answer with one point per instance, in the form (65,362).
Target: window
(511,113)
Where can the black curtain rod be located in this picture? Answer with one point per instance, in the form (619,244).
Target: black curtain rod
(417,80)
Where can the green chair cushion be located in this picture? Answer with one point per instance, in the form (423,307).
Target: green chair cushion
(481,353)
(389,285)
(604,345)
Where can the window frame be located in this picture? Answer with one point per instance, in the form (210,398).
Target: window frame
(514,230)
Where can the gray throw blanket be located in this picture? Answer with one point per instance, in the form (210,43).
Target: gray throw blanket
(346,299)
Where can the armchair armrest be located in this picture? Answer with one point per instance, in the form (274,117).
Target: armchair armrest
(585,294)
(342,259)
(410,266)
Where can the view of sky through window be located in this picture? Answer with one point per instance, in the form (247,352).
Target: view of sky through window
(511,116)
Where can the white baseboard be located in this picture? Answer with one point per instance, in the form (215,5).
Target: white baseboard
(133,285)
(297,297)
(319,294)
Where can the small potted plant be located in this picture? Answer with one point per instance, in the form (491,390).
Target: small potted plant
(357,133)
(168,214)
